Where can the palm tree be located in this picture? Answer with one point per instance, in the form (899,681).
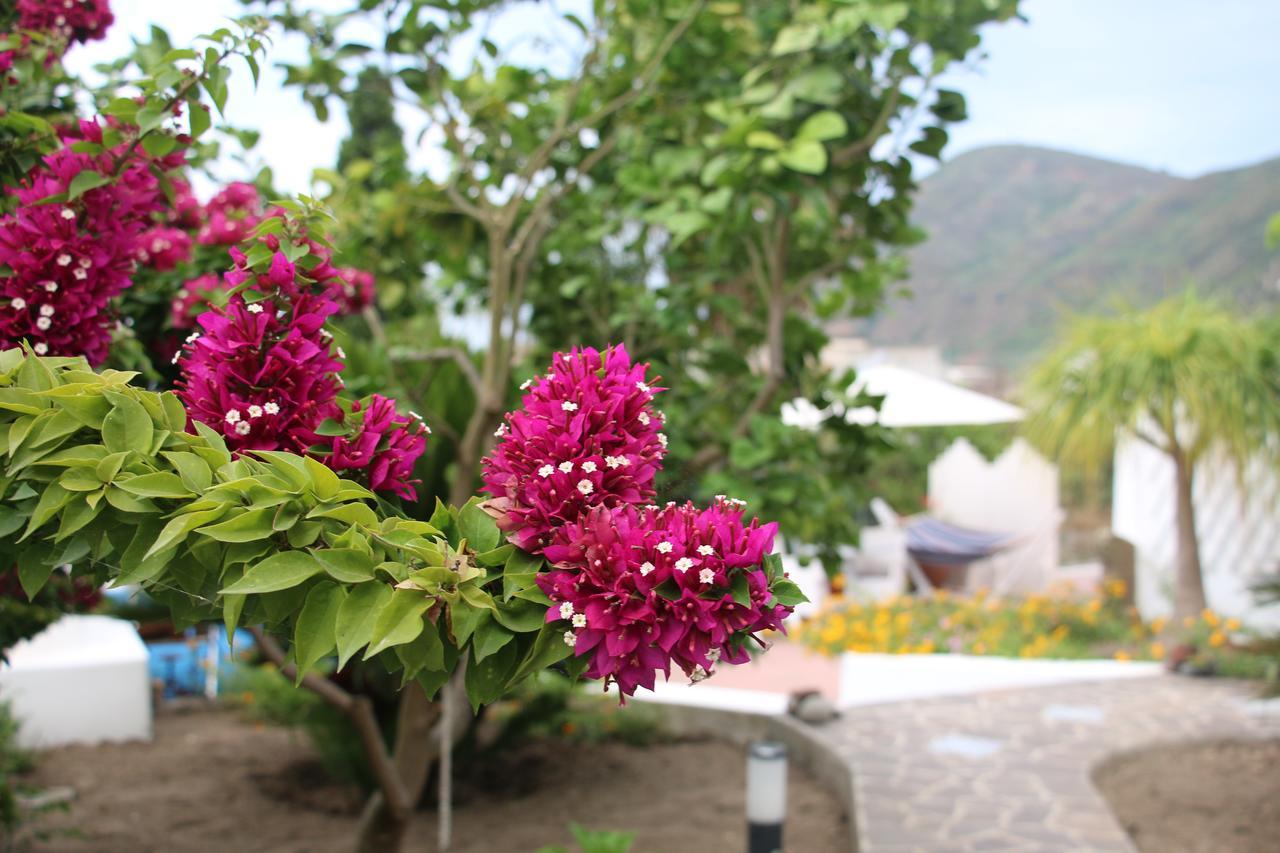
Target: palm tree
(1186,376)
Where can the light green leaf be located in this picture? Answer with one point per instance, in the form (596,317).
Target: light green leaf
(315,634)
(245,527)
(765,140)
(356,617)
(284,570)
(796,37)
(127,427)
(477,527)
(399,621)
(161,484)
(805,156)
(823,126)
(194,471)
(424,652)
(347,565)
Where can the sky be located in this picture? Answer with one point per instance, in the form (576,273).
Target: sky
(1183,86)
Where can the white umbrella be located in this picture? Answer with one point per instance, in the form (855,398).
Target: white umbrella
(910,400)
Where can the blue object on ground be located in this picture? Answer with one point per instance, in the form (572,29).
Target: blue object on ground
(183,665)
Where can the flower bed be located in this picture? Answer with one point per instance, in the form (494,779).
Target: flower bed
(1049,625)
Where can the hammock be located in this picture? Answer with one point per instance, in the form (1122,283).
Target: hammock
(940,543)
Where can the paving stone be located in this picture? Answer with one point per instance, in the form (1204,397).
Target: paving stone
(1010,770)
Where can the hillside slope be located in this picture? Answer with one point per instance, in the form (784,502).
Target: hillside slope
(1018,236)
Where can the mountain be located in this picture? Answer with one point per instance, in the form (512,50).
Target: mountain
(1018,237)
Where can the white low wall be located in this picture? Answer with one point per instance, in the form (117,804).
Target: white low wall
(83,679)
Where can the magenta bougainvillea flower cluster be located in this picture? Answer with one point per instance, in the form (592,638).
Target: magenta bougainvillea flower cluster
(229,219)
(70,20)
(61,22)
(69,259)
(587,436)
(636,587)
(263,372)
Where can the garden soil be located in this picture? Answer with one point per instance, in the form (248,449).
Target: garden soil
(1219,797)
(212,781)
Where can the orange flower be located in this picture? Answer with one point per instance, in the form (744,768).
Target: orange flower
(1123,655)
(1217,638)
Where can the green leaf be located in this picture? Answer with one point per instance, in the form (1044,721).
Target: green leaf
(522,616)
(194,471)
(490,639)
(52,499)
(424,652)
(823,126)
(325,483)
(796,37)
(740,589)
(161,484)
(787,593)
(85,181)
(464,619)
(33,570)
(497,557)
(175,414)
(356,618)
(548,648)
(804,156)
(765,140)
(245,527)
(477,527)
(347,565)
(127,427)
(487,680)
(399,621)
(315,634)
(284,570)
(199,119)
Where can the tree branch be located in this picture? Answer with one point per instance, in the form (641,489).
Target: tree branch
(846,155)
(359,710)
(454,354)
(542,207)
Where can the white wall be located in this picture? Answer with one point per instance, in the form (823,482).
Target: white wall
(83,679)
(1239,530)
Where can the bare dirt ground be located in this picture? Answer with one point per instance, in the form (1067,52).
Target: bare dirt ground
(1218,797)
(210,781)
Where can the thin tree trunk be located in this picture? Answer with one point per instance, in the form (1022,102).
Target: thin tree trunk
(418,737)
(1189,584)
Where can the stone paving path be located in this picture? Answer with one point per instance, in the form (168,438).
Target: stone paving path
(1011,770)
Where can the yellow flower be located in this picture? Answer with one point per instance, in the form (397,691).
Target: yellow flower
(1123,655)
(1232,624)
(1210,617)
(1157,624)
(1156,651)
(1217,638)
(1116,588)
